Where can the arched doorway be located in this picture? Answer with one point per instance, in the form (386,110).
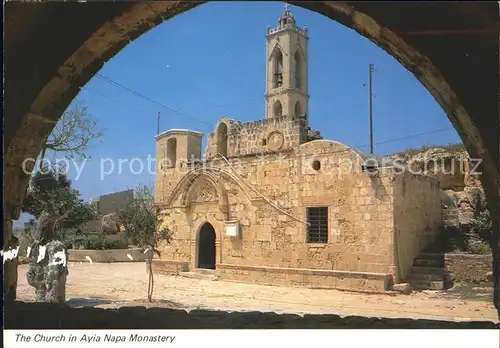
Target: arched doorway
(206,247)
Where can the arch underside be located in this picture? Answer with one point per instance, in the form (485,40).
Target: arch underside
(460,71)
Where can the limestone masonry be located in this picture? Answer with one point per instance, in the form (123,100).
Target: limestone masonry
(274,203)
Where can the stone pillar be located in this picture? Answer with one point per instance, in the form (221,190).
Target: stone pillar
(218,253)
(495,249)
(194,255)
(10,266)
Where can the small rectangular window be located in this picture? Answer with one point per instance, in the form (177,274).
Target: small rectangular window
(317,230)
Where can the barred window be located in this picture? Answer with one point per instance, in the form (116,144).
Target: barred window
(317,231)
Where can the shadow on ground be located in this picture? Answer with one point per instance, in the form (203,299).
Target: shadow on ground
(20,315)
(89,302)
(158,303)
(471,292)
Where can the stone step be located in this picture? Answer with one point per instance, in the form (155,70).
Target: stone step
(427,285)
(431,256)
(426,276)
(424,262)
(427,270)
(198,275)
(204,271)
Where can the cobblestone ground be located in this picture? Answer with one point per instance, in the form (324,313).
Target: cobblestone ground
(119,284)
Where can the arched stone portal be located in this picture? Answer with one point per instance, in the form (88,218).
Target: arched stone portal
(453,53)
(206,247)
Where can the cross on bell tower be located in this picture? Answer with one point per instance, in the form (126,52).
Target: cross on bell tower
(287,69)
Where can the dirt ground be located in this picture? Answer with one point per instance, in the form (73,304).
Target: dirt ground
(119,284)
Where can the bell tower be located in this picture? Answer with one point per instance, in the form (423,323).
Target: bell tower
(287,69)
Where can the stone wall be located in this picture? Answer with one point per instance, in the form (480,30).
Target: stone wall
(462,197)
(469,268)
(417,217)
(258,136)
(105,205)
(360,215)
(269,196)
(311,278)
(173,162)
(167,267)
(33,316)
(110,255)
(449,165)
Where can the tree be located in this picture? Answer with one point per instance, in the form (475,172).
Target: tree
(142,222)
(143,226)
(51,193)
(73,133)
(481,226)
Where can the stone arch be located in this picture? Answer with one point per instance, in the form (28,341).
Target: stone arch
(341,147)
(171,152)
(277,109)
(298,109)
(183,191)
(221,134)
(201,223)
(38,91)
(203,187)
(206,245)
(277,66)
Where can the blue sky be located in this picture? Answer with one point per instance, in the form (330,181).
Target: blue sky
(210,62)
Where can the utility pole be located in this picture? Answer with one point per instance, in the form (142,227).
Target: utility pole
(158,125)
(371,107)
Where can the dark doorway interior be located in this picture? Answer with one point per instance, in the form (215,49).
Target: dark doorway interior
(206,247)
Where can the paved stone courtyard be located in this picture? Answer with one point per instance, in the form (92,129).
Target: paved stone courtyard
(125,284)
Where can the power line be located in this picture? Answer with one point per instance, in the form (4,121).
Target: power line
(111,99)
(413,136)
(210,125)
(354,147)
(349,148)
(125,88)
(149,99)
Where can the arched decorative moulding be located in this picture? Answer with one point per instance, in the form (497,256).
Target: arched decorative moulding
(184,192)
(301,52)
(362,156)
(199,225)
(192,191)
(274,52)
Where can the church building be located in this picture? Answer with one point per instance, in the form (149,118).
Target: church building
(272,202)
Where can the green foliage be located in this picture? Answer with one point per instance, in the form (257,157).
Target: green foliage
(477,199)
(141,221)
(482,227)
(98,242)
(45,184)
(51,192)
(479,248)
